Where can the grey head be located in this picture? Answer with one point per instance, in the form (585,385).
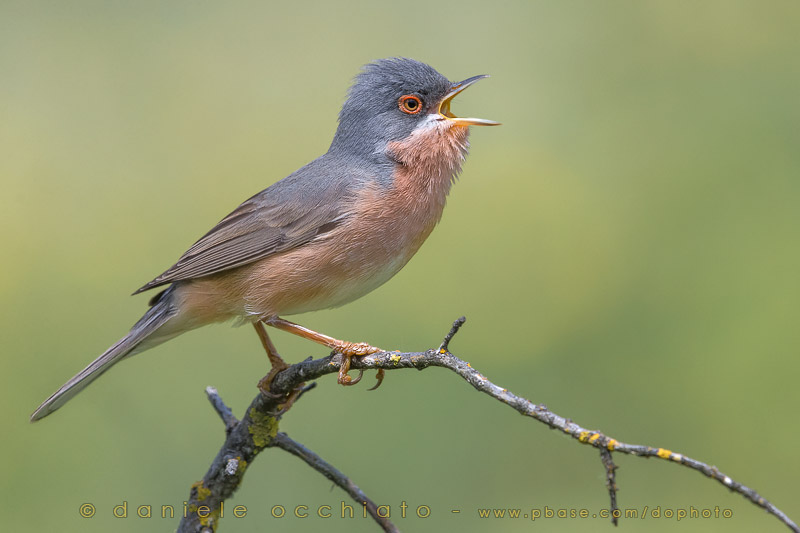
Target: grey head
(374,114)
(388,100)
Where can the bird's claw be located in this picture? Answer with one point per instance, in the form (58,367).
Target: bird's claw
(265,383)
(344,376)
(290,399)
(346,379)
(379,376)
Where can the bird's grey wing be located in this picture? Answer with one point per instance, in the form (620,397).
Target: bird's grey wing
(286,215)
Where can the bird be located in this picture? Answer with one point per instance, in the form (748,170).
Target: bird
(325,235)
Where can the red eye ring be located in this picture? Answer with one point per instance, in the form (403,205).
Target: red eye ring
(410,104)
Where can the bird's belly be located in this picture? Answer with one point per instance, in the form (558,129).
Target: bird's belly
(342,284)
(318,276)
(350,261)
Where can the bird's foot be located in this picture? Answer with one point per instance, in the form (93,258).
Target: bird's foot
(354,349)
(290,399)
(265,383)
(344,377)
(347,349)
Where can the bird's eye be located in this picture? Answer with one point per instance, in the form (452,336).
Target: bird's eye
(410,104)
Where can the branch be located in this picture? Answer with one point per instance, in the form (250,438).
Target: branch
(258,429)
(316,462)
(611,482)
(222,410)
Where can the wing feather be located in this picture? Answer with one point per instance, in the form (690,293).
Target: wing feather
(287,214)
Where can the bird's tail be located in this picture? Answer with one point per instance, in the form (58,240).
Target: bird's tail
(146,333)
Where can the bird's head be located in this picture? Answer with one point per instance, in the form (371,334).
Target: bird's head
(394,100)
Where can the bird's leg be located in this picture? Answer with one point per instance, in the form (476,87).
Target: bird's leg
(275,360)
(347,349)
(278,365)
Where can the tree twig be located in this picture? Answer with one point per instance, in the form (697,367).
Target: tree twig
(224,412)
(258,428)
(445,346)
(611,483)
(316,462)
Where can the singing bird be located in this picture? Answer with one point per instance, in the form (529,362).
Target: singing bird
(323,236)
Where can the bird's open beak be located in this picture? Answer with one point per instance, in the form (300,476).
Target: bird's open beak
(444,106)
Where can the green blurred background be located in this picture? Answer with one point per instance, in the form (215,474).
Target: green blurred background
(625,248)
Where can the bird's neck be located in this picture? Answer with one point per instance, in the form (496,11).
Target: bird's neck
(433,153)
(431,156)
(425,167)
